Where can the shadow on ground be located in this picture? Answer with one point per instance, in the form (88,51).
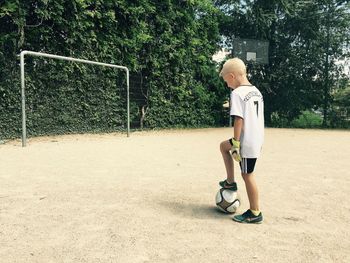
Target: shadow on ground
(192,210)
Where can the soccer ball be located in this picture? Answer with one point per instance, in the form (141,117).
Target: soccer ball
(227,200)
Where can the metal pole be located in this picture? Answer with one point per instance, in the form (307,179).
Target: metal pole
(39,54)
(128,101)
(24,128)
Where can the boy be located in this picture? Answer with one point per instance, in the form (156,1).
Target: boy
(247,107)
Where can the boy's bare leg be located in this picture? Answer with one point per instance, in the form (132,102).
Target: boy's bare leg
(225,148)
(252,191)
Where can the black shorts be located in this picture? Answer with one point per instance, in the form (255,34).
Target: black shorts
(247,165)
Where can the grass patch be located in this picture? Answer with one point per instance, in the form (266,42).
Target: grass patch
(307,119)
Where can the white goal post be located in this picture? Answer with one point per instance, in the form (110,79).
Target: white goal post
(40,54)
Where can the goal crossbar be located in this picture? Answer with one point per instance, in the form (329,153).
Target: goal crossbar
(46,55)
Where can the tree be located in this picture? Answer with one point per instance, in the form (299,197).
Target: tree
(306,38)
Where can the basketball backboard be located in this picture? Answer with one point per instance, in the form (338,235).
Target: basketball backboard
(251,50)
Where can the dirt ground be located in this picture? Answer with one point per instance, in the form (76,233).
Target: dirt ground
(151,198)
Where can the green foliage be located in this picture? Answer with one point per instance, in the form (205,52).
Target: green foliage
(65,98)
(307,39)
(342,98)
(340,114)
(168,43)
(168,46)
(307,119)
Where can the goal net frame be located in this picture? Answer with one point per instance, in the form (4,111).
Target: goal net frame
(46,55)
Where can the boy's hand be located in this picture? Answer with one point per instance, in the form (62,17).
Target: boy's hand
(235,147)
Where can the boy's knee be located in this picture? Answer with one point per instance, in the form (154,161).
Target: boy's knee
(247,176)
(224,147)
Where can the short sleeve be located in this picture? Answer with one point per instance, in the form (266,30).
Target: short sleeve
(236,105)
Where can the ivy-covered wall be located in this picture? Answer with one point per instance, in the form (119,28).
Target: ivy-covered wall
(167,45)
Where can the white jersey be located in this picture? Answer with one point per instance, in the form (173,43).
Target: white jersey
(247,103)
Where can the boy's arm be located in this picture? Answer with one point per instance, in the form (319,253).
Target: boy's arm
(237,129)
(235,143)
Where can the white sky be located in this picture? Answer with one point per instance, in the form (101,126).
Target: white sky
(220,55)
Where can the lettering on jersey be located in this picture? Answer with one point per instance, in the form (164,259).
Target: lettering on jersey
(251,95)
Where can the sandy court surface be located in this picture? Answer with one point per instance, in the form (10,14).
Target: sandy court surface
(150,198)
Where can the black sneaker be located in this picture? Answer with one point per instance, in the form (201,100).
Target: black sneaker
(226,185)
(248,217)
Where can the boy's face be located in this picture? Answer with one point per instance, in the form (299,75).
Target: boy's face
(230,80)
